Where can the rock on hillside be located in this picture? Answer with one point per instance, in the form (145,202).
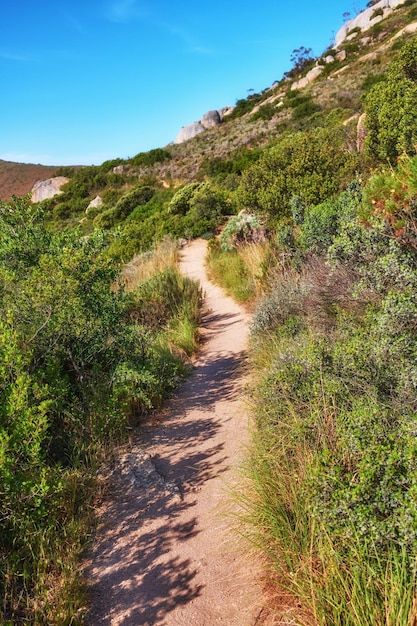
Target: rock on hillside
(44,189)
(367,18)
(189,131)
(209,120)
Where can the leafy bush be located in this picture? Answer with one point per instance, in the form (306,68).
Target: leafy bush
(157,155)
(391,117)
(313,164)
(379,12)
(76,369)
(334,469)
(321,223)
(138,196)
(239,229)
(265,112)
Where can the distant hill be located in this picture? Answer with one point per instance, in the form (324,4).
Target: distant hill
(18,178)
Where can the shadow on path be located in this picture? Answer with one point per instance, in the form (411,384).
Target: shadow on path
(151,546)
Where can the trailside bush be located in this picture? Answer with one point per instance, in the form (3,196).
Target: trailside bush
(76,368)
(391,116)
(334,472)
(312,164)
(321,223)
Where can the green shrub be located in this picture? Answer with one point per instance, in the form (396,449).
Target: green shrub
(76,370)
(313,164)
(157,155)
(379,12)
(265,112)
(391,117)
(321,223)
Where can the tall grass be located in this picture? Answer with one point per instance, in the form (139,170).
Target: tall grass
(182,330)
(239,272)
(144,266)
(331,584)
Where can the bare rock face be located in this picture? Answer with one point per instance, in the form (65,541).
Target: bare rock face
(308,78)
(361,133)
(44,189)
(224,111)
(210,119)
(367,18)
(190,131)
(98,201)
(341,56)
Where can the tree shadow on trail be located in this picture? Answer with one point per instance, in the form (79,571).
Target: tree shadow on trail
(138,569)
(142,591)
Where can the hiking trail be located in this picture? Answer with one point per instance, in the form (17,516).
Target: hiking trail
(165,552)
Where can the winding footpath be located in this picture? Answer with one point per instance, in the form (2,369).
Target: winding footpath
(165,553)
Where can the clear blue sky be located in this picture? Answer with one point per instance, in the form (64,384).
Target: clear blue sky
(84,81)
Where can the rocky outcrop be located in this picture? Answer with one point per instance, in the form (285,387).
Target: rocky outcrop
(308,78)
(98,201)
(190,131)
(44,189)
(224,111)
(367,18)
(211,119)
(361,133)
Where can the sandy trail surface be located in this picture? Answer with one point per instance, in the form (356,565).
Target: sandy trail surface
(164,551)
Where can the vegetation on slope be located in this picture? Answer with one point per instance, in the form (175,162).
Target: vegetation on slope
(82,359)
(331,489)
(331,480)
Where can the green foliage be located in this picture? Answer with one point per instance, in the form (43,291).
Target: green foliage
(377,13)
(391,116)
(301,61)
(238,230)
(201,207)
(157,155)
(372,79)
(238,161)
(265,112)
(245,105)
(81,359)
(228,269)
(392,197)
(180,203)
(322,223)
(334,467)
(138,196)
(313,164)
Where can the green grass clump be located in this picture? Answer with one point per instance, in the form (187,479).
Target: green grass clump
(238,271)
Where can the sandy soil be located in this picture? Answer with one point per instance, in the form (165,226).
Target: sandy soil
(165,552)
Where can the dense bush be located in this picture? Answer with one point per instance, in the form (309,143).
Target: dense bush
(312,164)
(79,363)
(334,470)
(391,116)
(157,155)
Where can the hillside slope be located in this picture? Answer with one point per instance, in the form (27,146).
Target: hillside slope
(18,178)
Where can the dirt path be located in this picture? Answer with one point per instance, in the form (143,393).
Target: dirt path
(164,553)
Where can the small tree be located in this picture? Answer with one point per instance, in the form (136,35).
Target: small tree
(301,60)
